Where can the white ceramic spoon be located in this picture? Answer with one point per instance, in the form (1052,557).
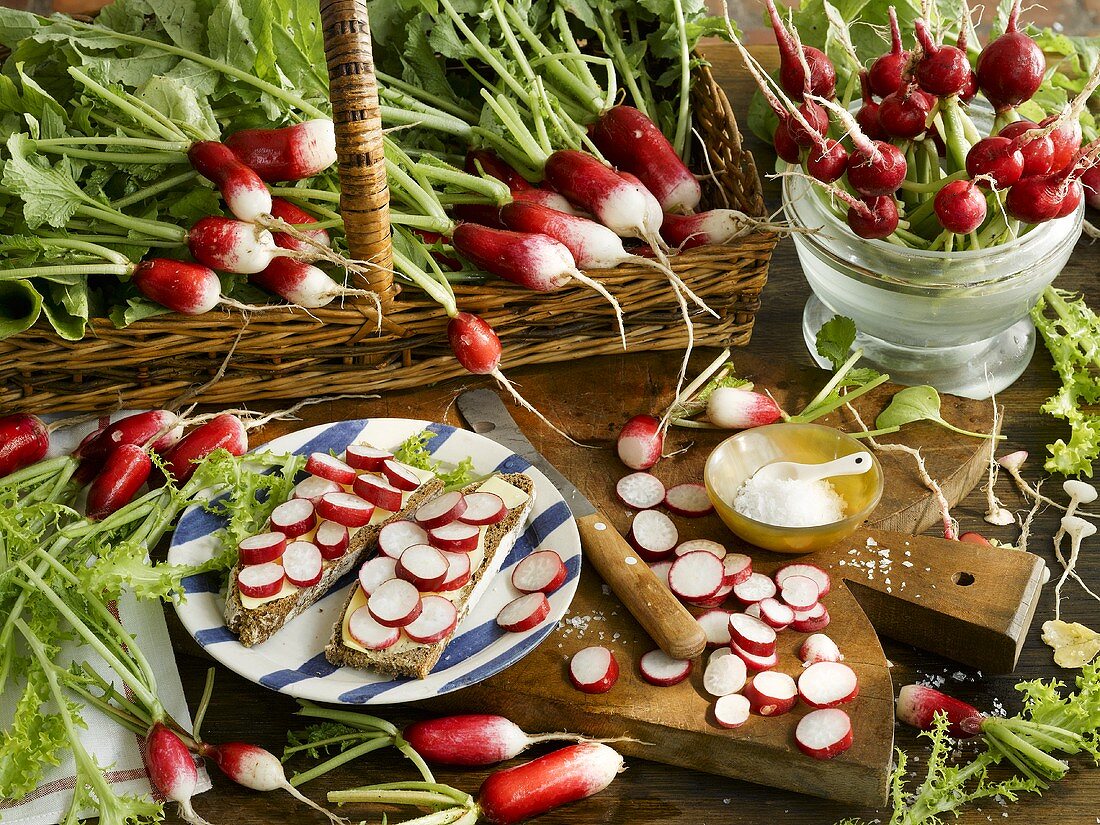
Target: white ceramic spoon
(849,465)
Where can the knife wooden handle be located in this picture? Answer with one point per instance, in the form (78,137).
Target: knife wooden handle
(662,616)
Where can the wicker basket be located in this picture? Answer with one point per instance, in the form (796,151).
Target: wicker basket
(289,354)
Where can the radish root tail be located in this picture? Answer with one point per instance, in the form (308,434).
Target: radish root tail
(502,379)
(593,284)
(667,417)
(188,814)
(333,818)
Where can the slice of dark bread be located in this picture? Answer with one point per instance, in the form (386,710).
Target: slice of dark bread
(418,661)
(258,624)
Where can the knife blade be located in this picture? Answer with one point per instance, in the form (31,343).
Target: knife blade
(658,611)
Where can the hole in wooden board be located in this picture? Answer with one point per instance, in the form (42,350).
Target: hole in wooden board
(963,579)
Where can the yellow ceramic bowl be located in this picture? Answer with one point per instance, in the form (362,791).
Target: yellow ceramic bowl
(737,458)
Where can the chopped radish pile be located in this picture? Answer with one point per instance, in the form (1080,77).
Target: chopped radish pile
(524,613)
(332,540)
(800,592)
(593,670)
(724,675)
(755,588)
(261,548)
(640,491)
(261,580)
(346,509)
(712,547)
(771,693)
(483,508)
(810,571)
(689,500)
(653,535)
(731,711)
(329,467)
(394,603)
(314,488)
(918,705)
(362,457)
(302,563)
(369,633)
(819,648)
(540,572)
(438,617)
(658,668)
(376,571)
(458,572)
(752,635)
(456,537)
(378,492)
(397,536)
(696,576)
(423,566)
(716,624)
(828,684)
(294,518)
(400,475)
(823,734)
(736,568)
(775,613)
(754,662)
(440,511)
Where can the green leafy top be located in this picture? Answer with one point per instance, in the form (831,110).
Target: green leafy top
(414,452)
(920,404)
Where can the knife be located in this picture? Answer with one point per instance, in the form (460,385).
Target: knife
(667,621)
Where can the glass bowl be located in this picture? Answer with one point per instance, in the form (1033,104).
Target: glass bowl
(737,458)
(956,320)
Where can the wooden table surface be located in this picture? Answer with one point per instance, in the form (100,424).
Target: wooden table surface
(593,398)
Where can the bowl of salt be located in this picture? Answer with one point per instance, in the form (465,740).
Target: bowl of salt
(790,509)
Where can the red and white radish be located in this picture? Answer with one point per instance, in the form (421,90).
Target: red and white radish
(394,603)
(346,509)
(689,500)
(230,246)
(658,668)
(775,614)
(243,190)
(717,600)
(332,539)
(289,153)
(828,684)
(483,508)
(771,693)
(812,620)
(706,545)
(172,770)
(756,587)
(733,408)
(398,536)
(290,213)
(24,439)
(525,613)
(640,442)
(364,457)
(713,227)
(423,566)
(824,734)
(810,571)
(819,648)
(716,624)
(456,537)
(440,511)
(918,705)
(458,572)
(369,633)
(487,162)
(330,467)
(752,635)
(724,675)
(752,661)
(696,576)
(374,572)
(401,476)
(302,563)
(642,491)
(224,432)
(315,488)
(541,572)
(294,518)
(187,288)
(160,430)
(800,592)
(736,568)
(438,618)
(261,548)
(653,535)
(261,581)
(475,739)
(125,471)
(378,492)
(732,710)
(660,570)
(594,669)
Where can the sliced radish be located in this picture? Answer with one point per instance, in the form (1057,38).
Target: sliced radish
(724,675)
(719,653)
(823,734)
(456,537)
(696,576)
(593,670)
(810,571)
(716,600)
(754,611)
(524,613)
(660,570)
(369,633)
(658,668)
(440,511)
(294,518)
(314,488)
(712,547)
(815,612)
(332,539)
(374,572)
(437,619)
(754,662)
(261,580)
(394,603)
(771,693)
(262,548)
(753,635)
(541,572)
(816,618)
(483,508)
(737,567)
(329,467)
(755,588)
(362,457)
(458,572)
(716,624)
(653,535)
(378,492)
(302,563)
(640,490)
(731,711)
(819,648)
(800,592)
(345,509)
(828,684)
(398,536)
(423,566)
(775,614)
(689,500)
(400,475)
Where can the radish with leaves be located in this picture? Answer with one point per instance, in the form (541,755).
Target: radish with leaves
(884,76)
(474,739)
(244,191)
(792,65)
(290,153)
(942,70)
(1010,68)
(172,770)
(190,289)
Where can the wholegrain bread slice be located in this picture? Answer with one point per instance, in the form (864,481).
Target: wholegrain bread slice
(418,661)
(256,625)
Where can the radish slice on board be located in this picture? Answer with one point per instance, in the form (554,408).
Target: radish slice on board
(658,668)
(540,572)
(810,571)
(737,567)
(302,563)
(458,572)
(362,457)
(438,617)
(400,475)
(455,537)
(716,624)
(423,566)
(653,535)
(819,648)
(369,633)
(771,693)
(440,511)
(397,536)
(823,734)
(394,603)
(261,580)
(483,508)
(712,547)
(696,576)
(719,653)
(314,488)
(294,518)
(754,662)
(378,492)
(800,592)
(713,601)
(775,613)
(754,611)
(660,570)
(329,467)
(640,490)
(376,571)
(524,613)
(690,500)
(724,675)
(593,670)
(261,549)
(346,509)
(731,711)
(332,539)
(752,635)
(755,588)
(812,620)
(828,684)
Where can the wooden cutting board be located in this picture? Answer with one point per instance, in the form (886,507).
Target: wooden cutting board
(967,602)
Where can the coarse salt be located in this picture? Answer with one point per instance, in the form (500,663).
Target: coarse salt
(789,502)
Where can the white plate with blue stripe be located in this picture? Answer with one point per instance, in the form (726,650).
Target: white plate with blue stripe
(293,661)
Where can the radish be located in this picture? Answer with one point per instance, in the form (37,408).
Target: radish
(223,432)
(544,198)
(800,592)
(440,511)
(819,648)
(754,611)
(398,536)
(875,167)
(423,566)
(884,76)
(1040,198)
(540,572)
(1066,137)
(812,620)
(904,113)
(792,65)
(775,614)
(125,470)
(714,227)
(660,669)
(874,218)
(712,547)
(660,570)
(160,429)
(640,442)
(654,536)
(302,563)
(437,620)
(369,633)
(1037,149)
(231,246)
(752,635)
(243,190)
(960,206)
(828,684)
(771,693)
(378,492)
(458,572)
(593,670)
(736,568)
(294,517)
(785,145)
(755,587)
(261,581)
(315,488)
(394,603)
(290,213)
(483,508)
(330,467)
(172,770)
(364,457)
(401,476)
(1010,69)
(696,575)
(716,624)
(332,540)
(827,160)
(724,675)
(809,129)
(455,538)
(811,571)
(642,491)
(1090,180)
(525,791)
(375,572)
(301,283)
(752,661)
(487,162)
(345,509)
(689,500)
(24,439)
(918,706)
(997,158)
(824,734)
(290,153)
(736,409)
(731,711)
(941,70)
(525,613)
(190,289)
(867,116)
(261,548)
(717,600)
(474,740)
(970,537)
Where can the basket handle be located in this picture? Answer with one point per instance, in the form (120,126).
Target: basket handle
(361,162)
